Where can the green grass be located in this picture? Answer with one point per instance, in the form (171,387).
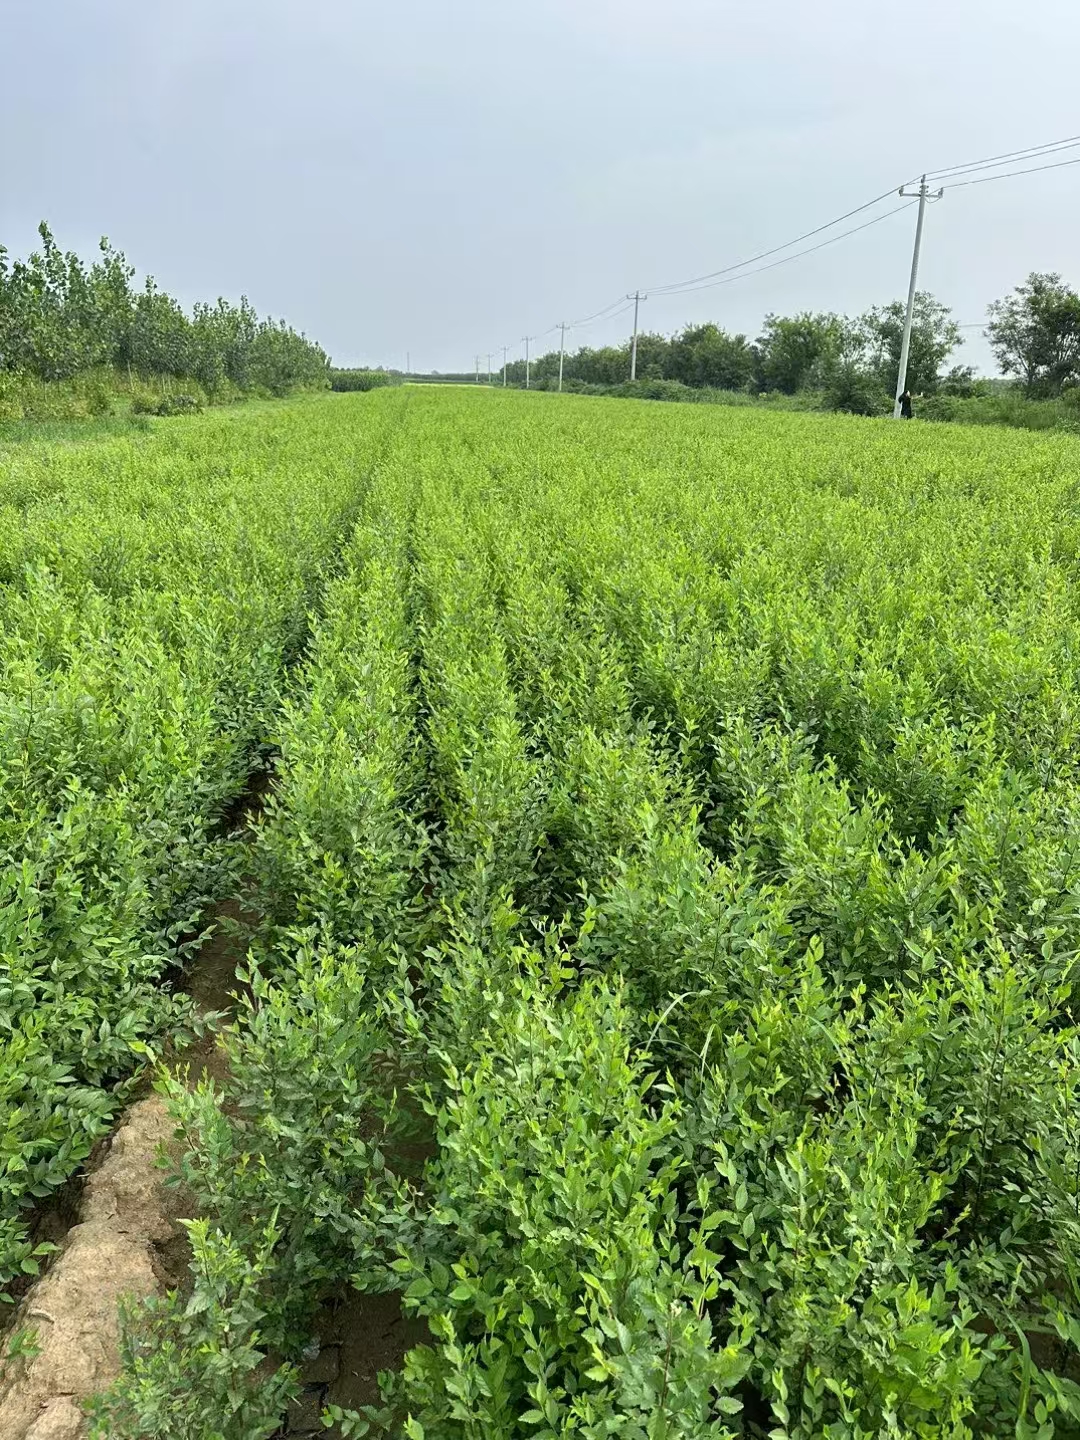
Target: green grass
(14,433)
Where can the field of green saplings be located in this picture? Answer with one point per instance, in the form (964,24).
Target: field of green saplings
(154,591)
(666,972)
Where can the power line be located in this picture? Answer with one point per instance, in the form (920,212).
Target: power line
(624,309)
(1032,152)
(986,179)
(996,165)
(584,324)
(695,283)
(628,303)
(712,285)
(588,320)
(726,275)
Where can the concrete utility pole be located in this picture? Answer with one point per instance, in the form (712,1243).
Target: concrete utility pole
(408,363)
(526,362)
(924,194)
(478,369)
(562,348)
(637,298)
(505,348)
(489,367)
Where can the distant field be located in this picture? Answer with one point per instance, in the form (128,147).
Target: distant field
(669,892)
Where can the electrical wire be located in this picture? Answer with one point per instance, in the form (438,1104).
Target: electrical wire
(578,325)
(583,325)
(986,179)
(1033,152)
(588,320)
(799,253)
(996,165)
(628,304)
(696,282)
(949,174)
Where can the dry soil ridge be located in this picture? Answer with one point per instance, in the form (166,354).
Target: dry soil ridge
(127,1215)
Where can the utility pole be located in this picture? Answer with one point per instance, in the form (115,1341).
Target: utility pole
(637,298)
(408,364)
(526,362)
(489,367)
(478,369)
(924,194)
(505,348)
(562,349)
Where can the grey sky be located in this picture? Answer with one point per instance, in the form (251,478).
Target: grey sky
(442,177)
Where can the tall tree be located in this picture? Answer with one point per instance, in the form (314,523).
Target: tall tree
(1035,334)
(59,317)
(652,354)
(158,339)
(706,355)
(609,365)
(799,352)
(934,336)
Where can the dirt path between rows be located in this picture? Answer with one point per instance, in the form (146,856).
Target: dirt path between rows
(127,1241)
(126,1225)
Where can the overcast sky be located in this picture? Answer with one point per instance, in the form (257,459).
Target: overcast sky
(440,177)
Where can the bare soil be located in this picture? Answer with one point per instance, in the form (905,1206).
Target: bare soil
(119,1236)
(127,1222)
(359,1336)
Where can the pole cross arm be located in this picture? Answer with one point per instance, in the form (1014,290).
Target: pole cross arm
(918,193)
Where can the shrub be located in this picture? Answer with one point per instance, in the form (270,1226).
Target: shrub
(98,399)
(199,1362)
(362,379)
(144,402)
(856,392)
(655,390)
(1005,407)
(179,405)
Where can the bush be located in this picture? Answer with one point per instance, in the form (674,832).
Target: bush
(655,390)
(190,1361)
(144,401)
(942,407)
(25,397)
(93,395)
(98,399)
(362,379)
(856,392)
(575,387)
(1006,407)
(179,405)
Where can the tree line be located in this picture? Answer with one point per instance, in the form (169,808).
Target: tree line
(1034,334)
(61,318)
